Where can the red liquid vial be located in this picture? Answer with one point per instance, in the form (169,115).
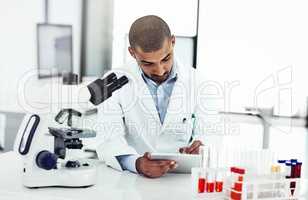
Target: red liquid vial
(219,181)
(210,182)
(219,186)
(201,185)
(210,187)
(238,186)
(236,195)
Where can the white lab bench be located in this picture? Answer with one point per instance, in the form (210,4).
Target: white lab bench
(111,184)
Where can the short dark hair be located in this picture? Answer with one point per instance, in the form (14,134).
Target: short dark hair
(149,33)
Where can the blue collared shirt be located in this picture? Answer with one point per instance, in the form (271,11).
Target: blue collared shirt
(161,94)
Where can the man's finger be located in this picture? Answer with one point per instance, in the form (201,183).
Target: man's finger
(161,162)
(196,151)
(147,155)
(165,169)
(194,147)
(190,150)
(196,144)
(184,150)
(174,166)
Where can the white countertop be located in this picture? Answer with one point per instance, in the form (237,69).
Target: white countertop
(111,184)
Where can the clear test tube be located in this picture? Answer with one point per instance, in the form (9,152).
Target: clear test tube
(282,164)
(275,170)
(288,175)
(205,157)
(288,169)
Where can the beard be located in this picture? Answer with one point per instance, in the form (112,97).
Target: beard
(160,79)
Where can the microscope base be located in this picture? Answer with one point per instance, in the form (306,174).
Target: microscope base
(82,176)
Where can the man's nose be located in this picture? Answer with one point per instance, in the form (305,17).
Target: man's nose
(160,70)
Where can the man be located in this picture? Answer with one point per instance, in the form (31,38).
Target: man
(153,112)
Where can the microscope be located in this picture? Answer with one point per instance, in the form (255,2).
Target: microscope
(47,141)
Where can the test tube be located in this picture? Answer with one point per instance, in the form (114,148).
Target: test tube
(298,170)
(275,171)
(297,174)
(288,169)
(204,151)
(210,185)
(219,181)
(201,182)
(198,178)
(282,164)
(293,175)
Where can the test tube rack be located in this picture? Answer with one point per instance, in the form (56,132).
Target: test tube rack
(264,188)
(260,187)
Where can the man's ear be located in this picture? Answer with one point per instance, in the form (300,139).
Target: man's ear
(173,40)
(131,51)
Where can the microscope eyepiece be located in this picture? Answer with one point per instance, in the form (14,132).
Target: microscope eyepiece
(101,89)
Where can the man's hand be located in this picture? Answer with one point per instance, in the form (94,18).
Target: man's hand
(192,149)
(153,168)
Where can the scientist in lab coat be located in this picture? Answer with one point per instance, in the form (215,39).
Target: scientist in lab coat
(155,111)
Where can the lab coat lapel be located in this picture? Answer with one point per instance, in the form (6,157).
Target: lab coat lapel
(178,104)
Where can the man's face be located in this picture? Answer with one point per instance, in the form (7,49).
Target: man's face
(157,64)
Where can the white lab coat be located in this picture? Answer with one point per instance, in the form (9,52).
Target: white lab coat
(128,122)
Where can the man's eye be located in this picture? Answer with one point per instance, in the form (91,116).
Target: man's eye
(147,64)
(166,59)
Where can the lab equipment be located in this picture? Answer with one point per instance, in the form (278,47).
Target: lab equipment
(219,182)
(210,182)
(185,161)
(282,164)
(201,182)
(50,145)
(204,151)
(288,169)
(278,179)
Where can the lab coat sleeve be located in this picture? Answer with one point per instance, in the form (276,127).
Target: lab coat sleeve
(128,162)
(111,133)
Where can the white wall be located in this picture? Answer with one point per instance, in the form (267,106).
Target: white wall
(18,51)
(255,42)
(18,20)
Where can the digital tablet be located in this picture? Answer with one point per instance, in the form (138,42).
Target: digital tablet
(185,161)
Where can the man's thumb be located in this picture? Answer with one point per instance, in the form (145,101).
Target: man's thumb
(147,155)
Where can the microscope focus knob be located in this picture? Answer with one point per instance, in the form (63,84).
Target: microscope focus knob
(46,160)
